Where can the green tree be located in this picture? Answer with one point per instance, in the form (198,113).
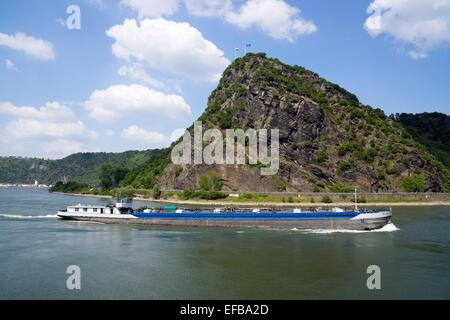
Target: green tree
(119,174)
(203,182)
(124,193)
(156,191)
(416,183)
(105,175)
(322,157)
(216,181)
(421,184)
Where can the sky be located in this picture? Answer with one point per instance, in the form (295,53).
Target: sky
(116,75)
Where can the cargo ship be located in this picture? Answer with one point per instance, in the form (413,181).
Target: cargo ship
(227,217)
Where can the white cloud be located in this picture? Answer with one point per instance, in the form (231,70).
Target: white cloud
(424,24)
(152,9)
(51,111)
(151,139)
(168,46)
(109,132)
(275,17)
(209,8)
(64,147)
(53,128)
(136,71)
(24,128)
(37,48)
(10,65)
(51,120)
(98,3)
(116,101)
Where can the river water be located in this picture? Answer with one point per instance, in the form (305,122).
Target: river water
(127,262)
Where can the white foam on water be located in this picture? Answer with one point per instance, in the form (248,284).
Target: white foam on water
(18,216)
(80,221)
(390,227)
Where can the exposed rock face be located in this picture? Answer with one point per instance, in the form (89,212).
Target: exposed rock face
(325,134)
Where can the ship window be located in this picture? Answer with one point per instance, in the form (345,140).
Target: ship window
(85,209)
(76,209)
(95,209)
(101,210)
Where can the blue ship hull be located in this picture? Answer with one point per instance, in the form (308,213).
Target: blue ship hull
(247,215)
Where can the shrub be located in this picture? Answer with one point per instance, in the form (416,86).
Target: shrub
(361,200)
(187,194)
(247,195)
(308,144)
(345,165)
(211,195)
(225,118)
(156,192)
(276,95)
(70,186)
(390,170)
(203,183)
(216,181)
(381,175)
(326,199)
(341,187)
(242,91)
(414,183)
(322,157)
(281,186)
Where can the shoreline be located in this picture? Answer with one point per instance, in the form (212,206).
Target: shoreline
(85,195)
(272,204)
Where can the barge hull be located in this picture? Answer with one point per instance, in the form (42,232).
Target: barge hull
(333,224)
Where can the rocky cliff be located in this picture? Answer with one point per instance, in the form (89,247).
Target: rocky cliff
(329,141)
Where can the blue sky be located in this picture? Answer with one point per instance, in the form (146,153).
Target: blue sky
(139,69)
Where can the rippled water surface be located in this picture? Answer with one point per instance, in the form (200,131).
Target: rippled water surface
(126,262)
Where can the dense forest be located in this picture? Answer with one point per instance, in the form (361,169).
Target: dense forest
(79,167)
(432,130)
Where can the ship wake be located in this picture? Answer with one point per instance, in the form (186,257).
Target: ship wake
(18,216)
(390,227)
